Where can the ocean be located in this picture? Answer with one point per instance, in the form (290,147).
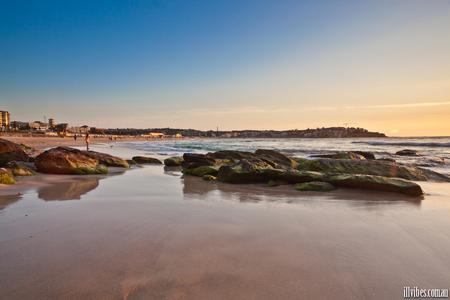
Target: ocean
(434,151)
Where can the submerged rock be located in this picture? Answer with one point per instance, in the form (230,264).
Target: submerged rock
(65,160)
(173,161)
(107,159)
(6,176)
(315,186)
(407,152)
(20,169)
(10,151)
(347,155)
(146,160)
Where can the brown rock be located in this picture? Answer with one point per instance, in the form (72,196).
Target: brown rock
(10,151)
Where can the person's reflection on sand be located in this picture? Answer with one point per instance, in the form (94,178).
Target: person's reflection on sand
(68,190)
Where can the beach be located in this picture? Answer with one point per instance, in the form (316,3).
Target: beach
(150,232)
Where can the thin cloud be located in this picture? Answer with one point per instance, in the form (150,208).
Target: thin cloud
(424,104)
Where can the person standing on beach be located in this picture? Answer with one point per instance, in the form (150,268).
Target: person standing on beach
(87,141)
(75,137)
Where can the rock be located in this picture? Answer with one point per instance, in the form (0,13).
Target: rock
(10,151)
(173,161)
(379,183)
(276,157)
(6,177)
(387,159)
(146,160)
(315,186)
(107,159)
(369,167)
(347,155)
(19,169)
(131,162)
(209,178)
(202,171)
(367,155)
(435,176)
(272,183)
(293,176)
(192,161)
(231,154)
(407,152)
(246,171)
(65,160)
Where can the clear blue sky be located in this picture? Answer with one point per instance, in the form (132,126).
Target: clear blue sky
(381,65)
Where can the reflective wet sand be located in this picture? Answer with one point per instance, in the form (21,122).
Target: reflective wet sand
(151,233)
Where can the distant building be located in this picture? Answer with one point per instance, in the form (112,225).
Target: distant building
(52,123)
(5,120)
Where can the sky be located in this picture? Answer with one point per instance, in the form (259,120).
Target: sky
(382,65)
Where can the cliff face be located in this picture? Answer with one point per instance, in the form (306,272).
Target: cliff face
(334,132)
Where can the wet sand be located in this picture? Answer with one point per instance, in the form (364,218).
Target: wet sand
(151,233)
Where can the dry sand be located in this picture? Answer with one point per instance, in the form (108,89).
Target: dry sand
(151,233)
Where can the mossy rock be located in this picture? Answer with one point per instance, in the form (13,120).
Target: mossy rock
(379,183)
(173,161)
(107,159)
(272,183)
(19,169)
(315,186)
(146,160)
(131,162)
(89,170)
(202,171)
(246,171)
(6,176)
(209,178)
(365,167)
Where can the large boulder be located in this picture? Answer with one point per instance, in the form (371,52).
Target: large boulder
(6,177)
(368,167)
(107,159)
(378,183)
(146,160)
(65,160)
(20,169)
(10,151)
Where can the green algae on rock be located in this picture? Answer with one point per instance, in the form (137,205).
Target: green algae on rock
(202,171)
(315,186)
(20,169)
(6,176)
(107,159)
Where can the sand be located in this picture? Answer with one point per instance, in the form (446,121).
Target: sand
(152,233)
